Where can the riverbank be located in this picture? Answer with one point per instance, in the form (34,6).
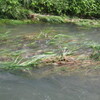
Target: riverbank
(38,18)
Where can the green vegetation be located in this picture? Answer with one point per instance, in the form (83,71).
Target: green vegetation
(96,51)
(65,51)
(80,12)
(81,8)
(54,20)
(16,22)
(12,9)
(21,9)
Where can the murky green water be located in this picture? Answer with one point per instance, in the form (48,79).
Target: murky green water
(19,40)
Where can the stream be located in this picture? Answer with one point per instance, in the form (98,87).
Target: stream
(18,40)
(55,87)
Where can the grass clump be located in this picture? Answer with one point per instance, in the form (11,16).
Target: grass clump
(51,19)
(96,51)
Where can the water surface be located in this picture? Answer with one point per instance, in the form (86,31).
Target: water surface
(23,39)
(52,87)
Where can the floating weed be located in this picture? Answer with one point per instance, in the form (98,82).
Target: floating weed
(64,47)
(4,36)
(95,51)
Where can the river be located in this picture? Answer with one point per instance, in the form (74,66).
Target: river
(15,86)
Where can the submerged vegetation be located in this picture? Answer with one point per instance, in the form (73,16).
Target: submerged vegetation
(50,48)
(96,51)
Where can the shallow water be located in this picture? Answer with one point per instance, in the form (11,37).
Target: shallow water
(55,87)
(52,87)
(20,39)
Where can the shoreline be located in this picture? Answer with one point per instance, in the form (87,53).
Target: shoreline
(53,20)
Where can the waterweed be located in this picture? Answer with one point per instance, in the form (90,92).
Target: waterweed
(96,51)
(64,46)
(4,36)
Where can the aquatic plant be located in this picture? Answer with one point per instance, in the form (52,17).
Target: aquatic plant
(4,36)
(95,51)
(60,49)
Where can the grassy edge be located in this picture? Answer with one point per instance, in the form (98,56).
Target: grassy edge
(53,19)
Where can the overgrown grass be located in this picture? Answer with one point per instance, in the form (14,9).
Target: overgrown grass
(51,19)
(54,20)
(95,51)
